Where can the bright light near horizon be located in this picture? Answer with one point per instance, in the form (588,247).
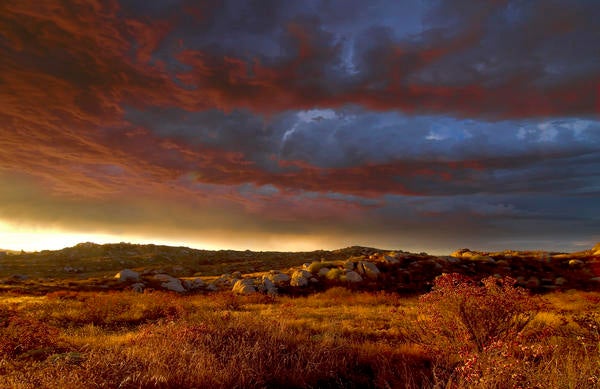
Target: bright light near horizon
(31,238)
(37,238)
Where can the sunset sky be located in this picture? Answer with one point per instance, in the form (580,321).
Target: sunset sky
(422,125)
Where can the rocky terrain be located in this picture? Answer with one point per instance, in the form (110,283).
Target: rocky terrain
(88,266)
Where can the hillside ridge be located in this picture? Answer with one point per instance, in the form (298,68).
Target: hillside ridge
(117,266)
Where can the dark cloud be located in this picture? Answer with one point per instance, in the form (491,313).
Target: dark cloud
(378,119)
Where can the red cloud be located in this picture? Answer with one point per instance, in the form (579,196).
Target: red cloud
(69,68)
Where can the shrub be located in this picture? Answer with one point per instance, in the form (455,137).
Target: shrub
(20,335)
(462,315)
(334,274)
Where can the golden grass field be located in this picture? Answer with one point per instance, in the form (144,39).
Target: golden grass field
(334,339)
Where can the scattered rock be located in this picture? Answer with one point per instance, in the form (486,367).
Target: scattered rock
(170,283)
(368,269)
(127,275)
(323,271)
(267,286)
(212,287)
(390,260)
(300,278)
(193,284)
(452,259)
(353,276)
(576,263)
(462,253)
(245,286)
(279,278)
(349,265)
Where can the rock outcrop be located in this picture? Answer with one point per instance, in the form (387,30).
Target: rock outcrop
(368,269)
(193,284)
(278,278)
(170,283)
(300,278)
(244,286)
(127,275)
(352,276)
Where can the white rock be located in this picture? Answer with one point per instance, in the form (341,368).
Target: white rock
(353,276)
(127,275)
(245,286)
(170,283)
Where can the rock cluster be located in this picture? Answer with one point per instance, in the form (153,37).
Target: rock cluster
(395,271)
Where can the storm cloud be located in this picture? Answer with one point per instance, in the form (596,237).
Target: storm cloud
(434,124)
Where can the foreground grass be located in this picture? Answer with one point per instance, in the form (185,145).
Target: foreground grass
(337,338)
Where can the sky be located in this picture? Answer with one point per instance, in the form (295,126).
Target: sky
(421,125)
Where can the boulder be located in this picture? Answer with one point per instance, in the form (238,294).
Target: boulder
(300,278)
(212,287)
(390,260)
(323,271)
(245,286)
(576,263)
(368,269)
(127,275)
(451,259)
(349,265)
(170,283)
(267,286)
(462,253)
(193,284)
(353,276)
(279,278)
(486,259)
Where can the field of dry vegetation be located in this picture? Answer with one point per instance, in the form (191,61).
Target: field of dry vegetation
(462,334)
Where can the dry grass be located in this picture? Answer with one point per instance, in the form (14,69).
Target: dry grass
(338,338)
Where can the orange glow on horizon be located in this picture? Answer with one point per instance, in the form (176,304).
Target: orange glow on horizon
(28,238)
(32,238)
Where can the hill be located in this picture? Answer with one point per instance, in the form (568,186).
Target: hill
(90,266)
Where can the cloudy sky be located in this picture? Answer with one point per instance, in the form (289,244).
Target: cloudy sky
(424,125)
